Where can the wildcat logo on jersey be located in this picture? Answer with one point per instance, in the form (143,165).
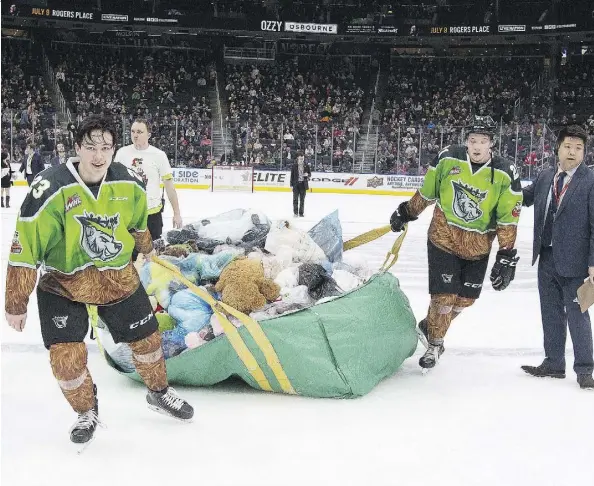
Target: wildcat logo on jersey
(467,200)
(72,202)
(137,164)
(98,236)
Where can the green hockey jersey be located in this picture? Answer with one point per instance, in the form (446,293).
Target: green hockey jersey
(478,201)
(83,236)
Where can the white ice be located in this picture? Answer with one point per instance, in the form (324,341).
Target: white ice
(476,419)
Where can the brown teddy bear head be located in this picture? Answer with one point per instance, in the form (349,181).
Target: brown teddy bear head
(244,287)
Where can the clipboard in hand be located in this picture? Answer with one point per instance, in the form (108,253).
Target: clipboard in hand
(585,295)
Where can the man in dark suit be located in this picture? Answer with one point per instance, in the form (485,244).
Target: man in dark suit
(300,174)
(563,201)
(32,164)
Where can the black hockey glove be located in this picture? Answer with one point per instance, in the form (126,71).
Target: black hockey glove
(400,217)
(504,269)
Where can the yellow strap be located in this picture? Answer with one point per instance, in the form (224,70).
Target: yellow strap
(93,313)
(265,346)
(253,327)
(367,237)
(374,234)
(394,251)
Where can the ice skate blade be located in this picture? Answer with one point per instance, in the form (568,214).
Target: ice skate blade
(83,447)
(167,414)
(425,371)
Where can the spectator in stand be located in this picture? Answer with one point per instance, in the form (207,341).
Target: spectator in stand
(300,175)
(297,101)
(429,99)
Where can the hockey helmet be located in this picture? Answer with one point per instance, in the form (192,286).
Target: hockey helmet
(481,124)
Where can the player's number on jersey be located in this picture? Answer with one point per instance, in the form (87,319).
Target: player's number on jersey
(39,186)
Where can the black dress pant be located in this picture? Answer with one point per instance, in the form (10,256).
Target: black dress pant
(299,198)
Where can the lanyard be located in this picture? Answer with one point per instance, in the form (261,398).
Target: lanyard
(565,186)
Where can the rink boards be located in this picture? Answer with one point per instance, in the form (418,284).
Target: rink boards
(320,182)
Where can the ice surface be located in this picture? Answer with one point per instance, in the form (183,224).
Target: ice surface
(476,419)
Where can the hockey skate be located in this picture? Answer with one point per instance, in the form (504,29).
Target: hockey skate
(83,430)
(169,403)
(423,335)
(431,356)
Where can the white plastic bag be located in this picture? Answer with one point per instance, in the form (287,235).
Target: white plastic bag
(296,295)
(288,278)
(346,280)
(303,248)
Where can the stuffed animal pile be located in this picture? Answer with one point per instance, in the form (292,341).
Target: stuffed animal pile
(261,268)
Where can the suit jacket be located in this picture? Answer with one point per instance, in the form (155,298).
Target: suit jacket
(56,160)
(36,164)
(573,229)
(295,174)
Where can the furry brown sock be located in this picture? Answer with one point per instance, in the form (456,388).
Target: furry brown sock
(150,362)
(69,365)
(440,315)
(461,304)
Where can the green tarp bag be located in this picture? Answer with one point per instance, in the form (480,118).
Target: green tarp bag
(341,348)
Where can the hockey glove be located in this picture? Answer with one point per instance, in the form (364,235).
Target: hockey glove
(504,269)
(400,217)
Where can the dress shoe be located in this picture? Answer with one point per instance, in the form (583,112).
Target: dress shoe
(544,370)
(586,382)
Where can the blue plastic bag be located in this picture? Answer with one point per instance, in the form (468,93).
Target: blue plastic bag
(189,310)
(328,236)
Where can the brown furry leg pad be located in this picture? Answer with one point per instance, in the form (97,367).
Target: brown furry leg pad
(150,362)
(69,365)
(461,304)
(440,315)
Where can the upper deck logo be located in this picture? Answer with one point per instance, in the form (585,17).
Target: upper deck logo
(375,181)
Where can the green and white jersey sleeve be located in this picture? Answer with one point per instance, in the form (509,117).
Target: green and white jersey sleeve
(476,201)
(38,229)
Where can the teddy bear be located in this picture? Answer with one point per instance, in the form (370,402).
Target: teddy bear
(243,286)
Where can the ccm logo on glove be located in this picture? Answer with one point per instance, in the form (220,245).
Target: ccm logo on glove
(504,269)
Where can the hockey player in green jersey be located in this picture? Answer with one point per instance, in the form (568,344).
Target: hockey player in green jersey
(478,196)
(81,221)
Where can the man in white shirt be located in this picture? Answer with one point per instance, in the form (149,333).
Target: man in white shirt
(153,166)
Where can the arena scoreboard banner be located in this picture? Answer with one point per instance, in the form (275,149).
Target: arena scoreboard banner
(357,27)
(51,13)
(460,30)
